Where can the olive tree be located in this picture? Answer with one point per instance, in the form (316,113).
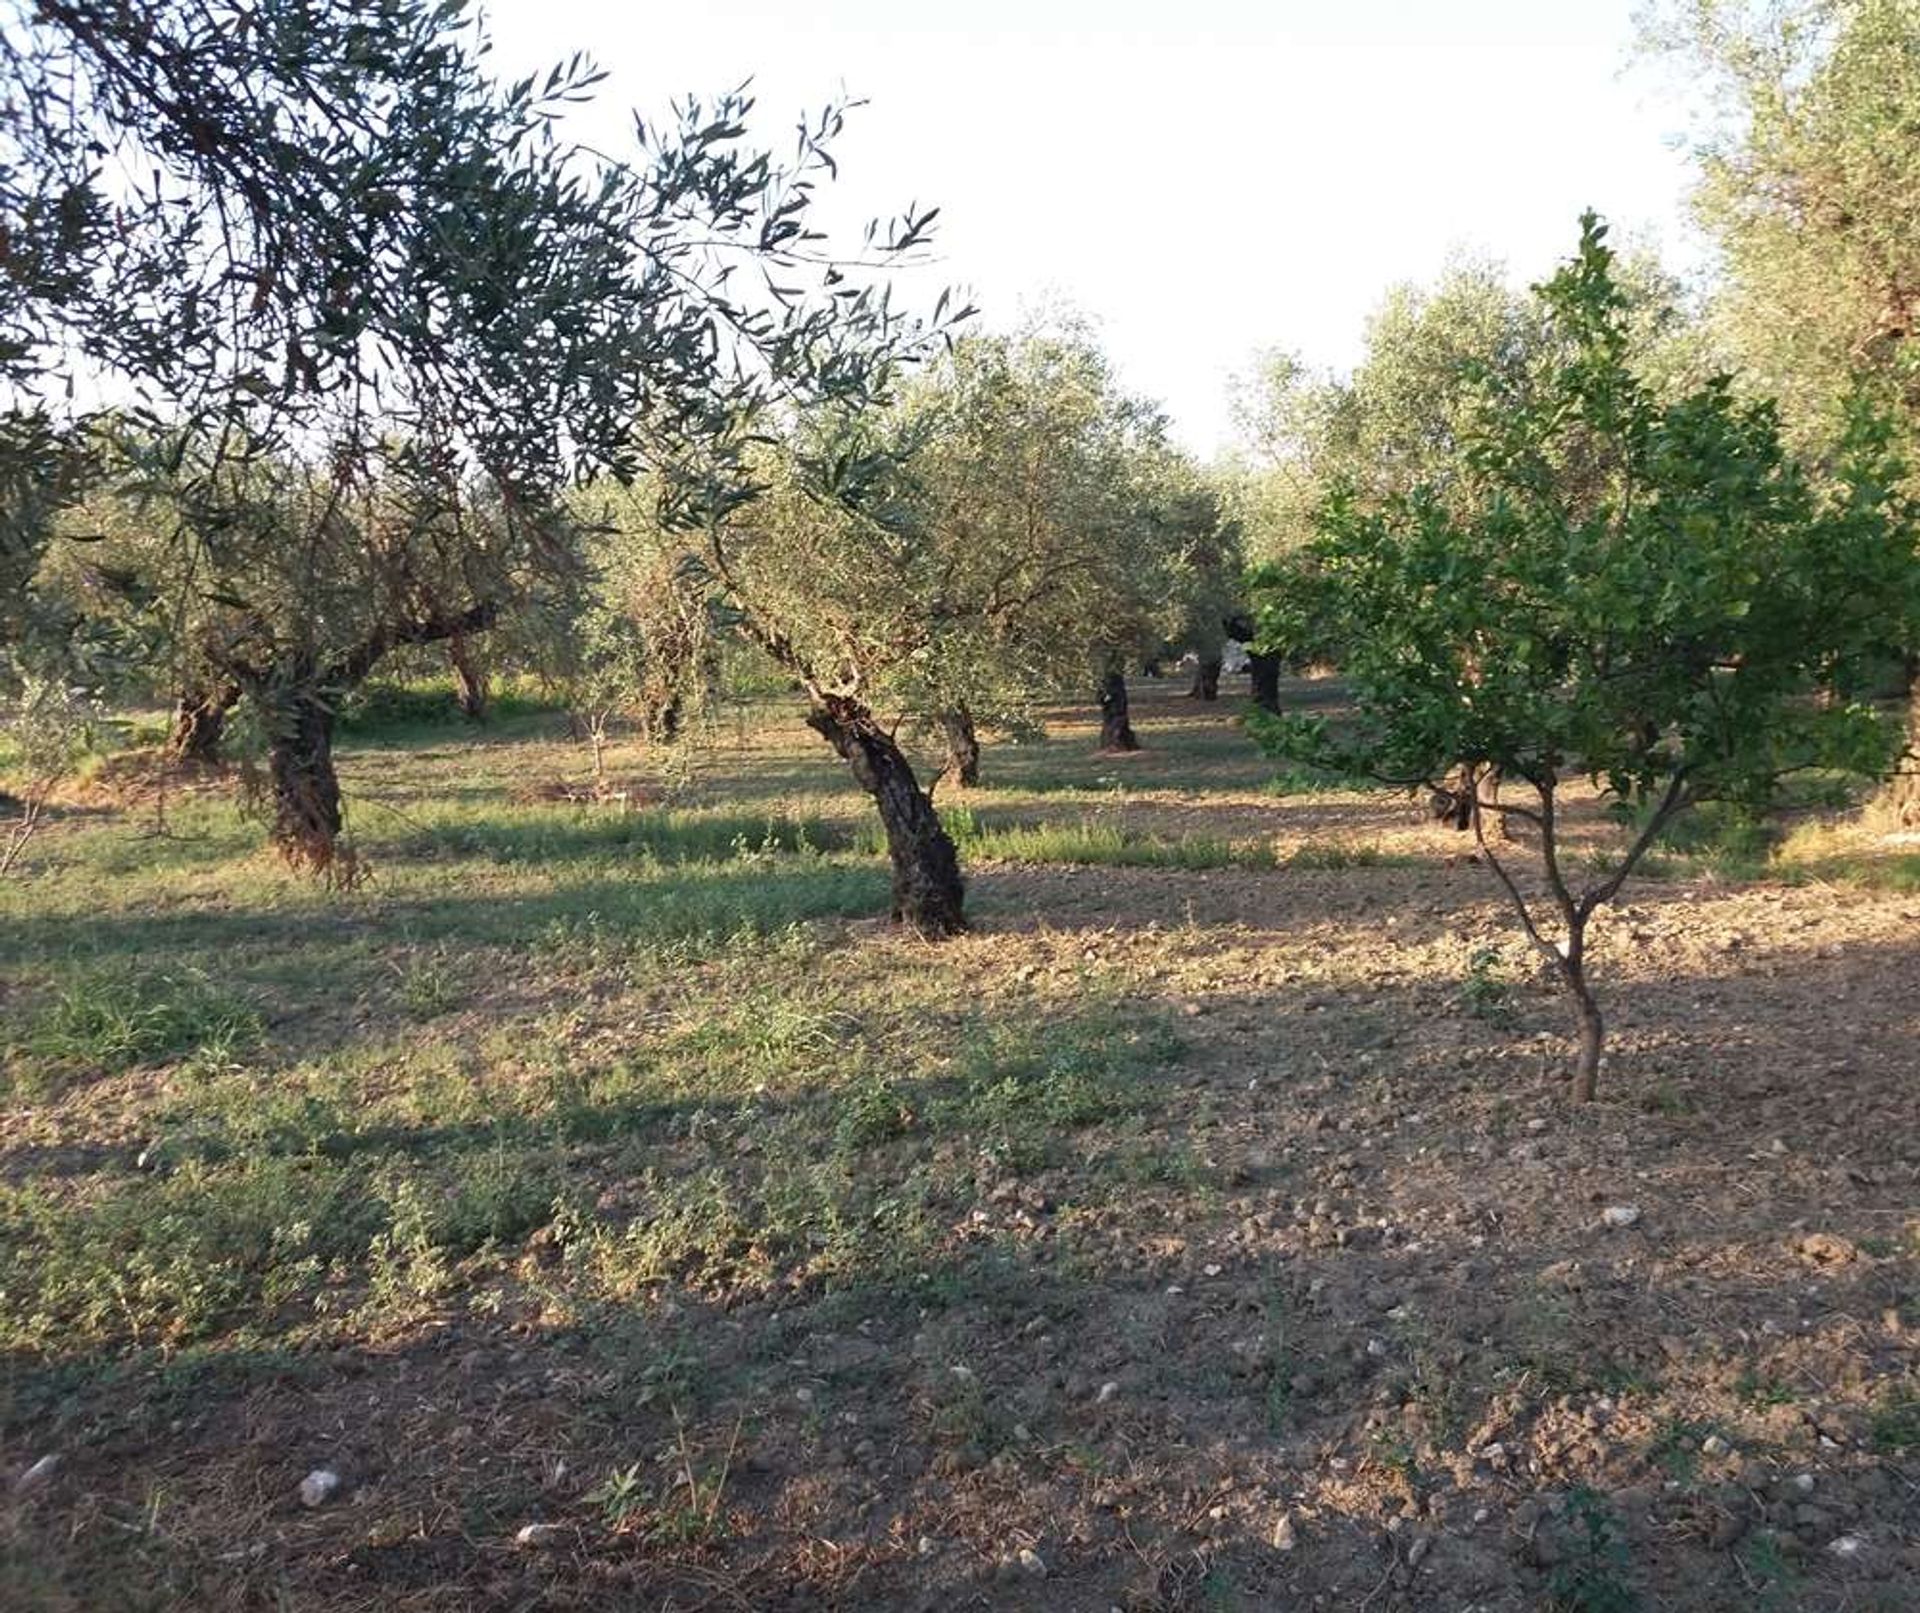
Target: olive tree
(351,238)
(1064,531)
(1810,185)
(1634,592)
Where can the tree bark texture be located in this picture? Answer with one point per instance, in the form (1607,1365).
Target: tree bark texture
(1116,730)
(1592,1031)
(469,679)
(1206,679)
(929,896)
(306,789)
(1264,670)
(963,747)
(199,721)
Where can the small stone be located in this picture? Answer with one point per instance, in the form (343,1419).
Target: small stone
(533,1536)
(1285,1535)
(39,1473)
(1031,1562)
(1714,1445)
(1417,1551)
(1618,1217)
(1727,1530)
(926,1548)
(1494,1455)
(1846,1546)
(319,1487)
(1107,1391)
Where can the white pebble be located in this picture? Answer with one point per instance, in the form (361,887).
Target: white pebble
(1619,1216)
(534,1535)
(319,1487)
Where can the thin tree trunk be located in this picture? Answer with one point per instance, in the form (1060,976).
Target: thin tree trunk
(1206,679)
(1265,673)
(199,721)
(1116,731)
(929,895)
(1586,1012)
(469,679)
(963,747)
(306,789)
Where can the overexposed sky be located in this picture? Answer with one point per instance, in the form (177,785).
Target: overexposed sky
(1204,178)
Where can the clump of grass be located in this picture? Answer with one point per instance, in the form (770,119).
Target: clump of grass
(112,1022)
(1339,854)
(1098,844)
(1025,1087)
(875,1111)
(1895,1425)
(1299,778)
(162,1262)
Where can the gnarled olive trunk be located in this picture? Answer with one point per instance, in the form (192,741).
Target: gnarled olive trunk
(1206,679)
(469,679)
(928,893)
(1264,671)
(963,747)
(306,789)
(1116,731)
(199,721)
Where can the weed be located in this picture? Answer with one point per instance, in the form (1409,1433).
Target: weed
(621,1497)
(1767,1571)
(873,1112)
(1675,1447)
(1895,1424)
(1335,855)
(1757,1390)
(430,983)
(1485,992)
(1594,1576)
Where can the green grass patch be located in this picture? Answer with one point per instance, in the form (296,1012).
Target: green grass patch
(106,1022)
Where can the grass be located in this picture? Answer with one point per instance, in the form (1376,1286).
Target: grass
(638,1141)
(99,1023)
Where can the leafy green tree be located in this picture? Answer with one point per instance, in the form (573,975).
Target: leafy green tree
(1811,186)
(1635,592)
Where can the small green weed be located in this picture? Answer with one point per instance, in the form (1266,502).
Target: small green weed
(1486,992)
(1895,1424)
(1594,1577)
(873,1112)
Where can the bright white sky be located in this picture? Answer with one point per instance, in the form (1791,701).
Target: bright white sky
(1204,178)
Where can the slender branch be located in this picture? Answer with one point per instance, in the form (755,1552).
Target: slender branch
(1673,802)
(1546,947)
